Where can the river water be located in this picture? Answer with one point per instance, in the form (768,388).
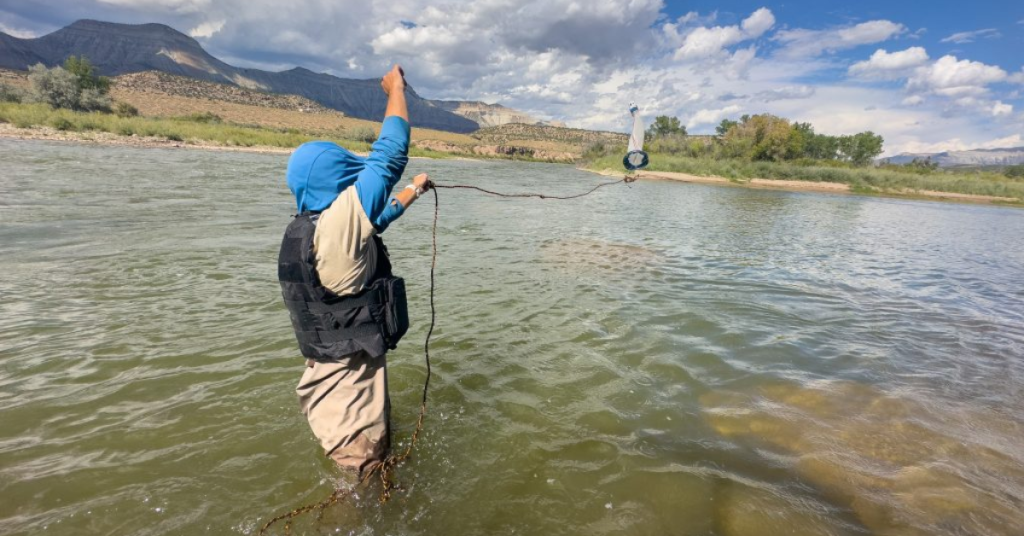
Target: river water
(664,358)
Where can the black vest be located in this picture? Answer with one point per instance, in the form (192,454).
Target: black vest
(326,325)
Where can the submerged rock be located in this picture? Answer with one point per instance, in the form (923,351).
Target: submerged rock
(748,511)
(595,255)
(898,464)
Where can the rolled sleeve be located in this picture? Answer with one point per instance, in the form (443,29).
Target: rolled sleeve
(391,213)
(384,167)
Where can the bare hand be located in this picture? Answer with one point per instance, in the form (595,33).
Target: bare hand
(422,181)
(394,80)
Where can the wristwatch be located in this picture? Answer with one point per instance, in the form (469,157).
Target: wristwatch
(416,189)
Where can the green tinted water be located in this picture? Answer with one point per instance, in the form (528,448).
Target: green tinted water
(660,359)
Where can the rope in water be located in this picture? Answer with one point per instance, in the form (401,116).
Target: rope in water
(385,469)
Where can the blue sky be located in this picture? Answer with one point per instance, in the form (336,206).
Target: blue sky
(932,76)
(939,19)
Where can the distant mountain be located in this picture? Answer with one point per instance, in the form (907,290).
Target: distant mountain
(491,115)
(975,157)
(126,48)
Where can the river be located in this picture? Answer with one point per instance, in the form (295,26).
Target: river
(662,358)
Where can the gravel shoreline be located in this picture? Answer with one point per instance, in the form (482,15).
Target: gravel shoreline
(813,186)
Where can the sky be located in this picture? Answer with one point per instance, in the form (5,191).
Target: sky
(928,77)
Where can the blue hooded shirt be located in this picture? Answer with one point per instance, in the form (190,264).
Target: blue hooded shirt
(318,171)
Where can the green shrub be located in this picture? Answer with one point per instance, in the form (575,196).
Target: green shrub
(1014,172)
(93,99)
(205,118)
(123,109)
(76,87)
(61,123)
(55,87)
(10,93)
(88,123)
(595,151)
(364,134)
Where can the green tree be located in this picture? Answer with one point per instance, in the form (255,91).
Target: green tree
(665,126)
(926,164)
(760,137)
(88,78)
(800,135)
(723,128)
(822,147)
(860,149)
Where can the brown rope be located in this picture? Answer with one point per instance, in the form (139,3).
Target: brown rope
(626,179)
(385,469)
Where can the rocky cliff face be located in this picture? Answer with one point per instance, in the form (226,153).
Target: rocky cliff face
(123,48)
(490,115)
(514,133)
(977,157)
(158,83)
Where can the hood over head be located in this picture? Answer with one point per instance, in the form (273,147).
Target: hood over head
(320,170)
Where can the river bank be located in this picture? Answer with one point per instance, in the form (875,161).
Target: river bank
(44,133)
(10,131)
(210,130)
(816,186)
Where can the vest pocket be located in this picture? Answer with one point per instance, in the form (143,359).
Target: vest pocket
(397,310)
(392,311)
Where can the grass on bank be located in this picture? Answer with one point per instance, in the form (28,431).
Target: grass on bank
(201,128)
(860,179)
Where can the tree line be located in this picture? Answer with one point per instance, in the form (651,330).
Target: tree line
(763,137)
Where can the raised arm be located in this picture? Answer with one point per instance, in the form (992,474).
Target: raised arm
(388,156)
(393,84)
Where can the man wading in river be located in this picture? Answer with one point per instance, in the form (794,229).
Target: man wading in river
(346,307)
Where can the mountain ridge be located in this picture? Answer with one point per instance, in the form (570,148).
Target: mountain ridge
(117,49)
(972,157)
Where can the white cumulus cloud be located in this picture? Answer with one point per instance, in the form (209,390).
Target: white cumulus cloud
(207,29)
(803,43)
(998,108)
(758,22)
(711,117)
(952,77)
(704,42)
(883,63)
